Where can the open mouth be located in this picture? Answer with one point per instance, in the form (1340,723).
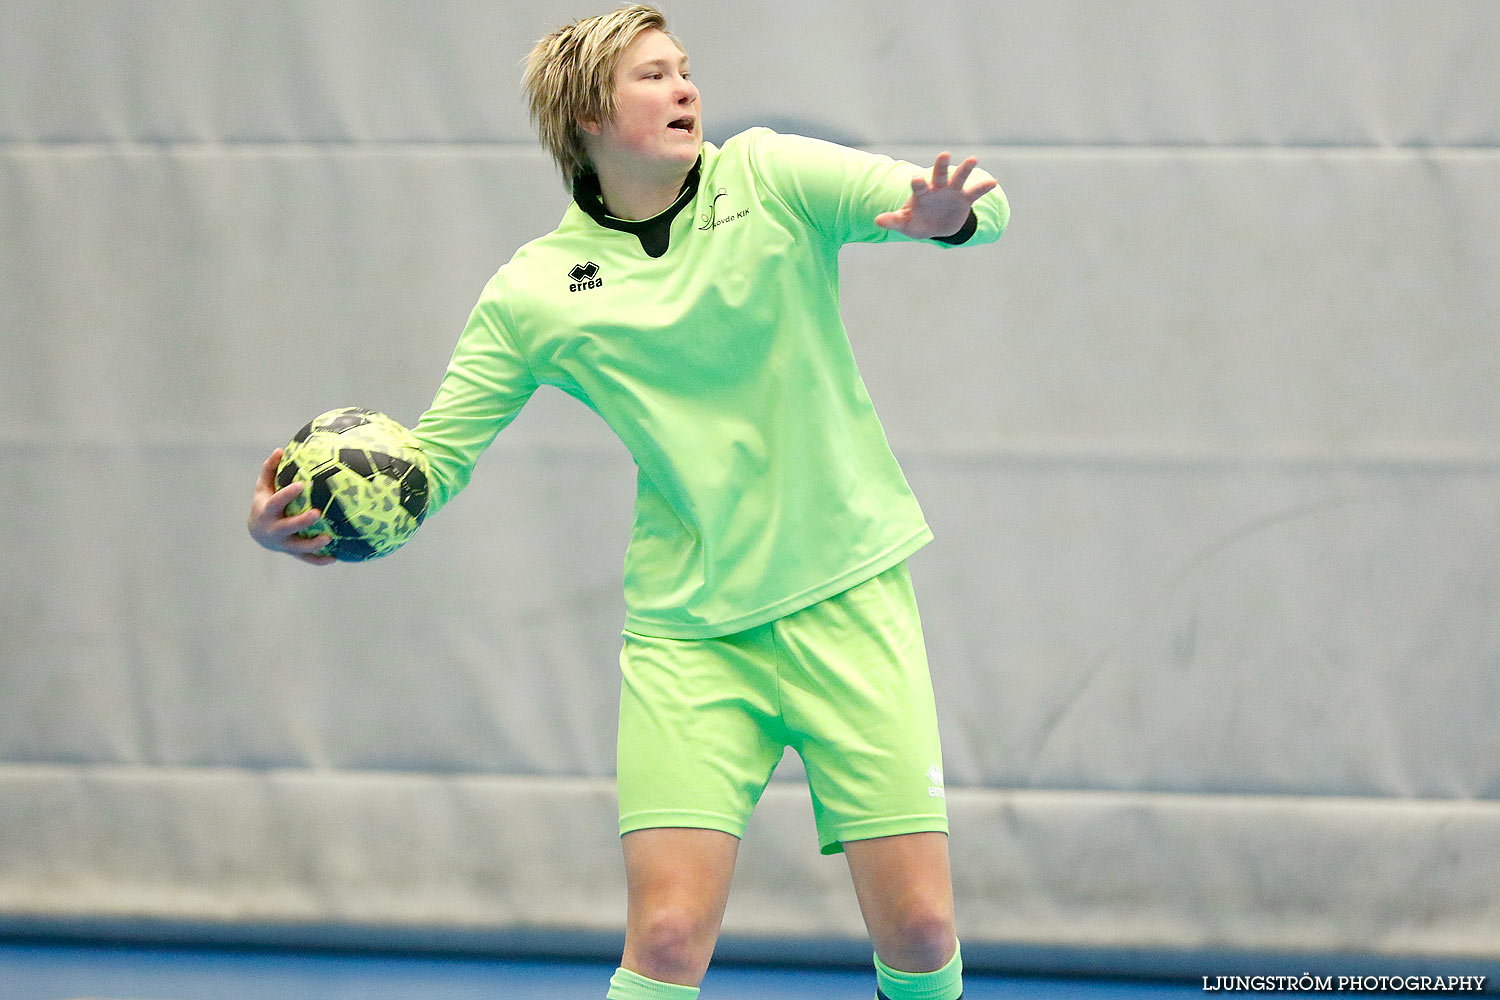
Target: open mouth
(682,125)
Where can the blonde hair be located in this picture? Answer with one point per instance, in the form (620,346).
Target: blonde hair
(570,78)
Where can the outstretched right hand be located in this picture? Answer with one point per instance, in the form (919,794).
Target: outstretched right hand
(269,524)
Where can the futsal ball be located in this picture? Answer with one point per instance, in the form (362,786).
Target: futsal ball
(368,476)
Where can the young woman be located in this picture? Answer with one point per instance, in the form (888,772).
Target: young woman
(690,297)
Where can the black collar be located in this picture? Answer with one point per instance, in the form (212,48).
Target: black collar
(654,233)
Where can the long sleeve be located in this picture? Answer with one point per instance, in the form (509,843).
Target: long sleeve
(838,191)
(487,382)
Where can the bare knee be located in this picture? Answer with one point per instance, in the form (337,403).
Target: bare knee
(670,945)
(919,938)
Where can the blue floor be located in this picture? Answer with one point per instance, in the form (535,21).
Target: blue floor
(103,972)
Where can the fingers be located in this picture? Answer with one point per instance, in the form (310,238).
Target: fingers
(286,530)
(946,177)
(285,527)
(268,501)
(973,194)
(958,179)
(961,180)
(270,526)
(277,503)
(303,547)
(266,482)
(940,170)
(961,174)
(939,199)
(285,535)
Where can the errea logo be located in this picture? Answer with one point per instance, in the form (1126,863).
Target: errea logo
(935,776)
(585,277)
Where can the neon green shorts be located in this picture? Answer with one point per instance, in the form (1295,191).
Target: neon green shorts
(703,722)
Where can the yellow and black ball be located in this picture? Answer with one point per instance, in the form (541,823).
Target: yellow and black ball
(367,475)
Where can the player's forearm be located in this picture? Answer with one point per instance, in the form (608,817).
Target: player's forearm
(483,390)
(456,429)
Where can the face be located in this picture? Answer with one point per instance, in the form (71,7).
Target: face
(658,122)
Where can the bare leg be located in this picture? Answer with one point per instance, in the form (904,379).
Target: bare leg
(678,884)
(905,893)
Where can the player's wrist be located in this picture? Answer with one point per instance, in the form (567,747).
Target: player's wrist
(965,232)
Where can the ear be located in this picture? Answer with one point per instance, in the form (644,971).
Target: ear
(590,126)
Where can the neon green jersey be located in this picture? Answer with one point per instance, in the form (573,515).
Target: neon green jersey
(709,339)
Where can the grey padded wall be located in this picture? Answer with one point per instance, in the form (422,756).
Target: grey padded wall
(1209,442)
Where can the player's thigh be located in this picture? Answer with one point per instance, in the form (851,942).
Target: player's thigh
(699,731)
(679,868)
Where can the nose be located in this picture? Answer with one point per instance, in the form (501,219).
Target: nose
(687,91)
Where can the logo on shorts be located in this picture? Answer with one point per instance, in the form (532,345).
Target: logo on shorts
(935,775)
